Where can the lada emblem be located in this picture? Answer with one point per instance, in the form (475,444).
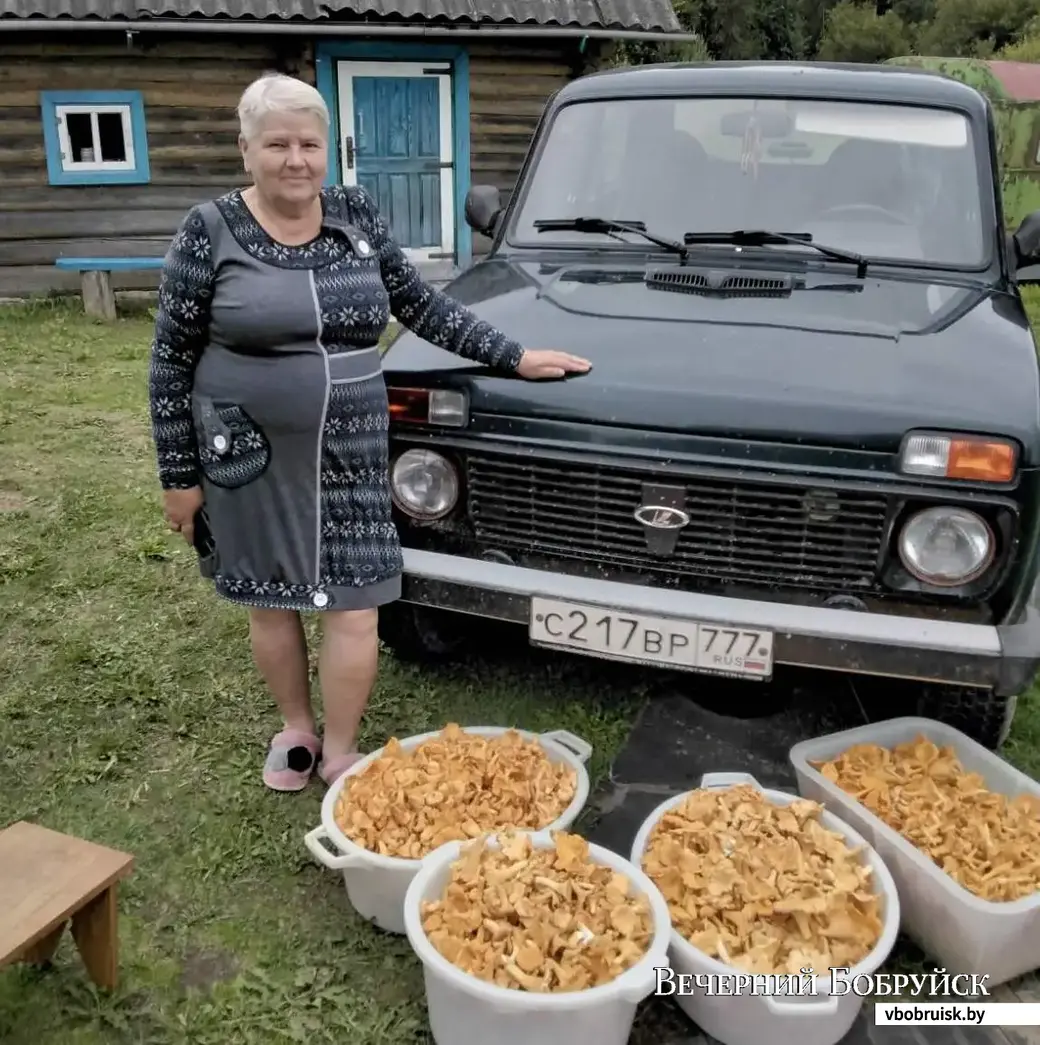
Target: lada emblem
(661,517)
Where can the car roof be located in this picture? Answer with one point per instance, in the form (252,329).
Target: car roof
(879,83)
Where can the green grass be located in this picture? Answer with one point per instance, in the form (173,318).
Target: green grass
(130,714)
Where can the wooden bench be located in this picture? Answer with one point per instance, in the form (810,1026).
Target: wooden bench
(96,280)
(48,878)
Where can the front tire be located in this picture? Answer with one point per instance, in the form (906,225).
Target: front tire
(421,634)
(979,713)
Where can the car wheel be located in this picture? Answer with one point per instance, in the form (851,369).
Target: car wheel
(979,713)
(420,633)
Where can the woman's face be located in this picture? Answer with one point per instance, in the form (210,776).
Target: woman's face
(288,157)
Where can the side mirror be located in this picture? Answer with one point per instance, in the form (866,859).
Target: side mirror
(1024,246)
(483,206)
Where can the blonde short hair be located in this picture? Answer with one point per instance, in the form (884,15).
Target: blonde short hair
(277,93)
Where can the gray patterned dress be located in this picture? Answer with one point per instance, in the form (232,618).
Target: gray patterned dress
(266,390)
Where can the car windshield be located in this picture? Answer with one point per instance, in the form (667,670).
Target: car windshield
(886,181)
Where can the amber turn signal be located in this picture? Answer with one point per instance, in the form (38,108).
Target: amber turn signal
(960,457)
(428,406)
(410,405)
(982,460)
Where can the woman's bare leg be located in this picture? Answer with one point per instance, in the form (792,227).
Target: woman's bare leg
(347,667)
(280,652)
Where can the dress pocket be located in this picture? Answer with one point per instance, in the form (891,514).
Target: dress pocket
(233,449)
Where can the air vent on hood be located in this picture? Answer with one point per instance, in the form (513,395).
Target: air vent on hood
(731,284)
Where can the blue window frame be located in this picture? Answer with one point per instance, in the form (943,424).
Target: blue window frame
(95,137)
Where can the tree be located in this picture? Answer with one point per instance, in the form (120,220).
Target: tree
(976,28)
(913,12)
(1027,47)
(849,30)
(781,25)
(750,29)
(813,15)
(856,33)
(636,52)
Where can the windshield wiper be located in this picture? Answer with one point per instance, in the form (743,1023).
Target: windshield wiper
(609,225)
(761,238)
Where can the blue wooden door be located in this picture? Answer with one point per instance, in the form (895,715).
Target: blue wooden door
(398,153)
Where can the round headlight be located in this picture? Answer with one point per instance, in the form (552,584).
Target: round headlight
(946,547)
(425,485)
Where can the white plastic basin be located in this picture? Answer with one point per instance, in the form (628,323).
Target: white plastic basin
(755,1019)
(965,934)
(376,884)
(464,1010)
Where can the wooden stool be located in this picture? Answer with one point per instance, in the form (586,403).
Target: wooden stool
(46,878)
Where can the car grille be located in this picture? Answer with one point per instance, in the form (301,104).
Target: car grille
(738,532)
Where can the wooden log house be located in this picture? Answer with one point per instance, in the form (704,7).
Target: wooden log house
(118,115)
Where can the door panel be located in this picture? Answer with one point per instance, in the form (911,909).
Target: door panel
(397,142)
(395,136)
(411,204)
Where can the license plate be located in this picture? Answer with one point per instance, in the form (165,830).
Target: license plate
(665,642)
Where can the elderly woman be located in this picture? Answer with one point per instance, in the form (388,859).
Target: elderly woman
(269,412)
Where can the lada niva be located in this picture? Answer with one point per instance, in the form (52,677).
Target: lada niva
(811,432)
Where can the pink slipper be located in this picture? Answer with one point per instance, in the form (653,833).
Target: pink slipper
(332,770)
(291,760)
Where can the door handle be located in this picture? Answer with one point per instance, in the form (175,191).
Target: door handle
(349,144)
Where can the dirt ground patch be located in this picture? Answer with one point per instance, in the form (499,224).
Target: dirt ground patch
(202,970)
(12,501)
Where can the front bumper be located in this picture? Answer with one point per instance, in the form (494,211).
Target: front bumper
(1002,658)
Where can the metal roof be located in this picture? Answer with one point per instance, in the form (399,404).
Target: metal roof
(1021,80)
(656,15)
(999,80)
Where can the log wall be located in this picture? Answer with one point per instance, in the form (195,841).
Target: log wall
(509,88)
(191,85)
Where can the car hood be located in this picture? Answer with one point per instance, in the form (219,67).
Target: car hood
(839,362)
